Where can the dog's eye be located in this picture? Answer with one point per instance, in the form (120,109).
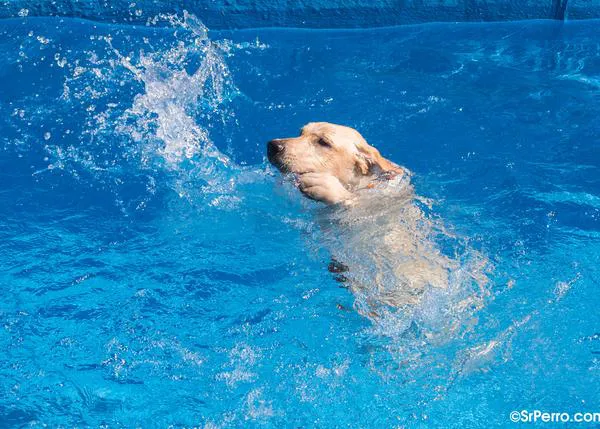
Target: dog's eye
(323,142)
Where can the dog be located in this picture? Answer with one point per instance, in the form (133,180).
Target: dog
(383,246)
(331,161)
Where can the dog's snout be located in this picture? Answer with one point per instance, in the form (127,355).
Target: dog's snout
(274,147)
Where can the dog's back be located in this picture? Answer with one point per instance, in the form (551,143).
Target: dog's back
(389,246)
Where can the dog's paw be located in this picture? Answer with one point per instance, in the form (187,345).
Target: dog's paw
(323,187)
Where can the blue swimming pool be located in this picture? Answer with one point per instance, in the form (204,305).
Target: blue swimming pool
(155,272)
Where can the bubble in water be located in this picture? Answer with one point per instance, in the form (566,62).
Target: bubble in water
(61,62)
(47,135)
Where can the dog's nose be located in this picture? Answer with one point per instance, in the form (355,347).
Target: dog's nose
(274,147)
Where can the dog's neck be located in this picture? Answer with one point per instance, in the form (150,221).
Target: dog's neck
(380,177)
(382,186)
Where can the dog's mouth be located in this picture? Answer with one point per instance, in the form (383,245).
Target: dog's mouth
(276,157)
(279,164)
(287,173)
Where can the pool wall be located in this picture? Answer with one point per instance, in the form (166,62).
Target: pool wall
(218,14)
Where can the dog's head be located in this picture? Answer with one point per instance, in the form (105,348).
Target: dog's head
(330,149)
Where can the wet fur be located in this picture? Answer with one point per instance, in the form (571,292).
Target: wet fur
(374,227)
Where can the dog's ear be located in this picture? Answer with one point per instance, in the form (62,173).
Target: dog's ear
(369,161)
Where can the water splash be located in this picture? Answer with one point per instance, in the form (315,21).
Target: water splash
(179,85)
(173,95)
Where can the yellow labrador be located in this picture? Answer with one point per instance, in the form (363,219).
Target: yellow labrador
(376,227)
(331,161)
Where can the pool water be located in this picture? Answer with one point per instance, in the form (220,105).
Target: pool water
(155,271)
